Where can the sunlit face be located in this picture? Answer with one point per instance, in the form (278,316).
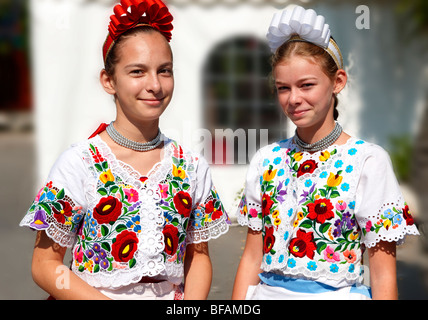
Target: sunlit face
(305,92)
(143,81)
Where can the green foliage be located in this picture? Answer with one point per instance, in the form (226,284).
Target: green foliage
(401,152)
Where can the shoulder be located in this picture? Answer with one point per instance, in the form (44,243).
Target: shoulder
(368,150)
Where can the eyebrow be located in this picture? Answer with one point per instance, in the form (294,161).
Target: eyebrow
(143,66)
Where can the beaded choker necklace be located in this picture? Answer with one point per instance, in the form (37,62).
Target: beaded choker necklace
(321,144)
(137,146)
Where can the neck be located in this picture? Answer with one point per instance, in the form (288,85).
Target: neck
(141,132)
(315,133)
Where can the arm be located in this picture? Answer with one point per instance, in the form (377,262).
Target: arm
(197,272)
(249,267)
(383,275)
(50,274)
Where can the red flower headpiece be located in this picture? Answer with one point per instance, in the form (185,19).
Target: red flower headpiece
(133,13)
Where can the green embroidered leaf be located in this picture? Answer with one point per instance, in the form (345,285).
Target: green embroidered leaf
(334,194)
(57,206)
(96,268)
(324,227)
(46,207)
(333,152)
(182,237)
(102,191)
(174,184)
(322,192)
(132,262)
(109,183)
(104,230)
(120,228)
(321,247)
(186,186)
(306,224)
(98,167)
(60,194)
(81,268)
(114,189)
(105,165)
(106,246)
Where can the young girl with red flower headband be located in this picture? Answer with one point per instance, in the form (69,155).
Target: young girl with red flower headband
(129,202)
(314,202)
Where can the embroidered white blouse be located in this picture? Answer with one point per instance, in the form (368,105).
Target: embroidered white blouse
(318,211)
(122,226)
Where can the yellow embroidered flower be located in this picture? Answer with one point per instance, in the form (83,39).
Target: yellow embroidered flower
(275,214)
(89,265)
(178,172)
(298,156)
(324,155)
(387,223)
(269,174)
(300,215)
(334,180)
(296,223)
(106,176)
(354,235)
(277,222)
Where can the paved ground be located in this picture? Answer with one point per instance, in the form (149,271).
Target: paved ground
(17,190)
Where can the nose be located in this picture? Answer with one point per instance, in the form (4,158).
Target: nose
(153,84)
(295,97)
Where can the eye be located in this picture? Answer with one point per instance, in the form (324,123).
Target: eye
(308,85)
(281,88)
(166,71)
(136,72)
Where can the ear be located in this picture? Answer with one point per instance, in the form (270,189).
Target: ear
(340,82)
(107,82)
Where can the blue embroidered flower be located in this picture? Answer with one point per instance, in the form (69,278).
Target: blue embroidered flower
(290,212)
(277,160)
(286,234)
(345,186)
(308,183)
(276,149)
(388,213)
(281,258)
(338,164)
(269,259)
(286,182)
(351,205)
(291,263)
(349,169)
(359,142)
(352,151)
(334,268)
(265,162)
(312,265)
(398,219)
(134,223)
(351,268)
(323,174)
(49,195)
(280,172)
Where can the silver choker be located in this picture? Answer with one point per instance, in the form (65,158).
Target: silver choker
(136,146)
(322,144)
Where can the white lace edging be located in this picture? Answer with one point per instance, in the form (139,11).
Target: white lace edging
(399,238)
(213,230)
(61,237)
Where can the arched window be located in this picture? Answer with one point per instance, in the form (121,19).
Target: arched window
(240,108)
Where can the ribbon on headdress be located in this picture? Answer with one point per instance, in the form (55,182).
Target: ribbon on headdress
(307,26)
(133,13)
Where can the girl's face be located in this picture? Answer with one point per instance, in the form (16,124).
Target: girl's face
(305,92)
(143,81)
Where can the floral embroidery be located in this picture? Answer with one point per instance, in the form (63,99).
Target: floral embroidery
(52,203)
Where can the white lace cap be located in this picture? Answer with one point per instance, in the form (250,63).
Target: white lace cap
(307,25)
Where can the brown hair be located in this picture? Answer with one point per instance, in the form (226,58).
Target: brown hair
(112,57)
(310,50)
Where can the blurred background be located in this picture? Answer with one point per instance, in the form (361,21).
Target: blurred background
(50,97)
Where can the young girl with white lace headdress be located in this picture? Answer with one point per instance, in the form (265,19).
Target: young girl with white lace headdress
(131,203)
(313,203)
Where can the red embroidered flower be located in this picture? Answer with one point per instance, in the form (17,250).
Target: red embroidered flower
(267,203)
(183,203)
(124,247)
(97,155)
(303,245)
(308,166)
(407,216)
(170,234)
(268,240)
(66,211)
(210,208)
(107,210)
(321,210)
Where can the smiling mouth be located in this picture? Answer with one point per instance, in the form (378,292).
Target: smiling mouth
(299,112)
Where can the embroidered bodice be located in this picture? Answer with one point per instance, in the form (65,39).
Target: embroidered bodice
(122,226)
(318,211)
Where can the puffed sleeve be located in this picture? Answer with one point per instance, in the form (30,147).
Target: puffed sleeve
(250,208)
(208,219)
(380,209)
(59,206)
